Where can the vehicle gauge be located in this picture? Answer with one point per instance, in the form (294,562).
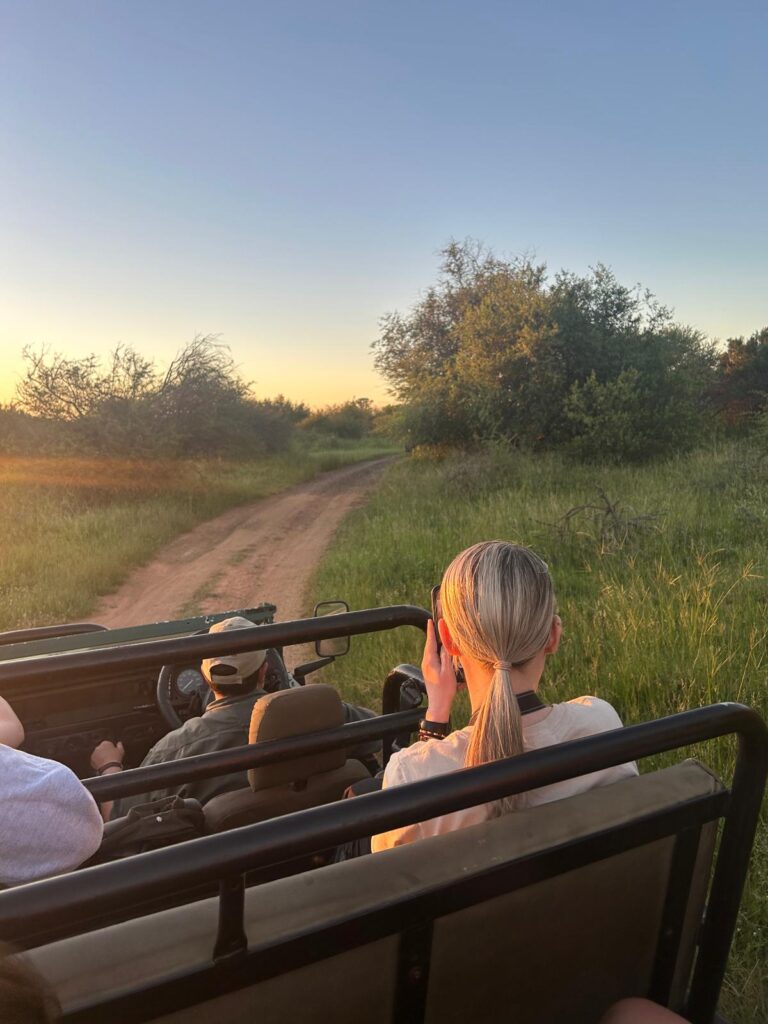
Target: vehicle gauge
(190,681)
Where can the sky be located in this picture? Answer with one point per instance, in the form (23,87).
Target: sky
(283,174)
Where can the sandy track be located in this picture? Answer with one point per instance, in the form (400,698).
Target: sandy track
(266,551)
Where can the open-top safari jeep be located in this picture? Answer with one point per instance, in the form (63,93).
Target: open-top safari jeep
(138,702)
(546,915)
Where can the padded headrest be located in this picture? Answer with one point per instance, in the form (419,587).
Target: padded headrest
(293,713)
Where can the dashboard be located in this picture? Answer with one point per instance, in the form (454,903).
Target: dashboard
(66,724)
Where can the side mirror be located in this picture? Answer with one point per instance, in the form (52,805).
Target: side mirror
(336,646)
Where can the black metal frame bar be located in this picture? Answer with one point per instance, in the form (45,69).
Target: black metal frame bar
(23,636)
(68,640)
(254,755)
(675,904)
(29,912)
(60,670)
(231,940)
(391,702)
(412,983)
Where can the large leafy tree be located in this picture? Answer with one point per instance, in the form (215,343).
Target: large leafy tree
(461,360)
(495,350)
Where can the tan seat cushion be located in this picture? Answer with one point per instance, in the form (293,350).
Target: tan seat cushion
(246,807)
(294,713)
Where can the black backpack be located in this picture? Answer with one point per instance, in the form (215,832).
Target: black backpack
(164,822)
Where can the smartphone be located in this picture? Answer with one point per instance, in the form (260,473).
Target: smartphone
(436,613)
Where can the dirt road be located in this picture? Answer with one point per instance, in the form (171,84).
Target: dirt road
(261,552)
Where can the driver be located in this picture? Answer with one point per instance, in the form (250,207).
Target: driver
(237,682)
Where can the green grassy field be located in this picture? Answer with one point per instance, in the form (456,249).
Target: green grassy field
(660,573)
(73,528)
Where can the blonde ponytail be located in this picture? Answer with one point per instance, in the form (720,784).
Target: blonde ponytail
(498,602)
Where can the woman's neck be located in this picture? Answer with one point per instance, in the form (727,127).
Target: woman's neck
(479,678)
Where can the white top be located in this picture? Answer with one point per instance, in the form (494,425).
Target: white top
(573,720)
(49,822)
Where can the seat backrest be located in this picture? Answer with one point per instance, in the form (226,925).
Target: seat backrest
(547,914)
(277,716)
(295,784)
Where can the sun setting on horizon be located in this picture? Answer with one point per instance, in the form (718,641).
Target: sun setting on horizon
(302,188)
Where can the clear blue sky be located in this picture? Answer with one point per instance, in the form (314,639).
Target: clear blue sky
(284,173)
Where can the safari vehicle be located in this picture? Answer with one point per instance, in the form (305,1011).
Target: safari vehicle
(546,915)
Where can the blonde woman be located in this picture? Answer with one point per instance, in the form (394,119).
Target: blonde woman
(497,619)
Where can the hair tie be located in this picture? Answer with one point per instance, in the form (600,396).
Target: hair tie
(502,666)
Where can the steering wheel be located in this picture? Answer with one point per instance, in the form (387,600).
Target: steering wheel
(183,693)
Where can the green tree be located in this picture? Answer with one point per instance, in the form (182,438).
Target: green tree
(198,406)
(458,361)
(741,389)
(494,350)
(352,420)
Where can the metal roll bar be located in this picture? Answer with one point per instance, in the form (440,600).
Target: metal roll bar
(61,669)
(254,755)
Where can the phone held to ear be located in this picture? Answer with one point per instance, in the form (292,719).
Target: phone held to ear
(437,613)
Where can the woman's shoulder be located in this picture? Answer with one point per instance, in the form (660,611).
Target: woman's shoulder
(584,715)
(433,757)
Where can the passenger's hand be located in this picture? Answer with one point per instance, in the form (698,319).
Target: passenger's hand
(439,677)
(107,753)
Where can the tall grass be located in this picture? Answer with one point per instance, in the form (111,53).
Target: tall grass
(71,529)
(660,573)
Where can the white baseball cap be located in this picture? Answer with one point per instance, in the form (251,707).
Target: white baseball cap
(244,664)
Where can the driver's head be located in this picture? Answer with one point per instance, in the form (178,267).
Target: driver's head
(233,674)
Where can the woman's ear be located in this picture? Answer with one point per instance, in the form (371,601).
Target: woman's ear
(446,639)
(555,632)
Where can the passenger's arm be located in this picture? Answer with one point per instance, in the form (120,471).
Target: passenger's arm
(11,729)
(49,821)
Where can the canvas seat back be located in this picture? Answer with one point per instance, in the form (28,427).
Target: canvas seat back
(295,784)
(545,915)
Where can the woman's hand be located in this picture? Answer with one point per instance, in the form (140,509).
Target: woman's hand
(439,677)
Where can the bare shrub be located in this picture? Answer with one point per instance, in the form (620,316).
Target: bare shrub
(606,523)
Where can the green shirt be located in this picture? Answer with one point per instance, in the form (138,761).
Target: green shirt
(225,723)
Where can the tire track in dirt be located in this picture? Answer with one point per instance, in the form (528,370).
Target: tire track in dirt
(266,551)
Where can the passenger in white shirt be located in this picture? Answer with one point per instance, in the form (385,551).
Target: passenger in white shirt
(49,822)
(496,617)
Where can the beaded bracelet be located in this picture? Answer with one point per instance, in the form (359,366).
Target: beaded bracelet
(111,764)
(433,730)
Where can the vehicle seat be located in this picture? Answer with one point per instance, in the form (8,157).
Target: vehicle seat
(293,785)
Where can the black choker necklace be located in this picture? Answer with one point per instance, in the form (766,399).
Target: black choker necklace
(528,702)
